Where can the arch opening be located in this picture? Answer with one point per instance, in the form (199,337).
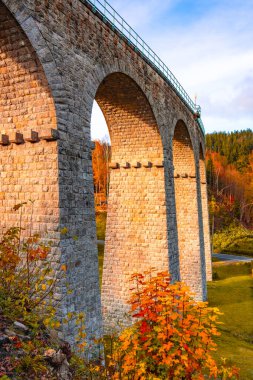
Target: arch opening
(187,210)
(136,237)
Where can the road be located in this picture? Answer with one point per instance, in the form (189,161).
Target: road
(232,258)
(220,256)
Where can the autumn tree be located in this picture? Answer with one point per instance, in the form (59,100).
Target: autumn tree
(229,162)
(101,156)
(172,337)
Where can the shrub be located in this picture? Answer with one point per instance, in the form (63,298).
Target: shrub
(172,337)
(230,236)
(27,286)
(27,278)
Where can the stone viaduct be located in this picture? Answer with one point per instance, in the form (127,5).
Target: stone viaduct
(56,57)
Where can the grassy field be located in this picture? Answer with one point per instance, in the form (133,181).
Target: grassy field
(215,259)
(233,295)
(241,248)
(223,271)
(101,224)
(100,261)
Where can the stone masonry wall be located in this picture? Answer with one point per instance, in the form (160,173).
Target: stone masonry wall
(187,210)
(204,199)
(28,170)
(77,52)
(136,232)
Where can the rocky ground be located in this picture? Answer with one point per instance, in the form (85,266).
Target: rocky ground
(21,357)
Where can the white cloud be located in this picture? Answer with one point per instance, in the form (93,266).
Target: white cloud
(211,54)
(212,124)
(213,57)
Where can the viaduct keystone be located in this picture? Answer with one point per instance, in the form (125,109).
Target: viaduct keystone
(56,58)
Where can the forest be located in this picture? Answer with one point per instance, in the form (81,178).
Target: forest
(229,169)
(229,164)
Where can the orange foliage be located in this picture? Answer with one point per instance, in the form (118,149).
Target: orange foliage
(172,337)
(100,166)
(232,189)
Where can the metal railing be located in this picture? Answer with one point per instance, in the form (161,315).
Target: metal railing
(117,23)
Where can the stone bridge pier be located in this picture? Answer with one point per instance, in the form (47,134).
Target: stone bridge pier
(56,58)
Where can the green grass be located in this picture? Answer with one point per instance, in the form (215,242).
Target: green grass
(243,247)
(237,352)
(234,296)
(100,261)
(223,271)
(101,224)
(215,259)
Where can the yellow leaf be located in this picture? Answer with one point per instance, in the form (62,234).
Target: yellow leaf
(64,231)
(64,267)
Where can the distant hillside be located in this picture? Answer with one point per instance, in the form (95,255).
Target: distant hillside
(229,162)
(235,146)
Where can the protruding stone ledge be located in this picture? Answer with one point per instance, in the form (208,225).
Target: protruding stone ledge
(126,165)
(28,136)
(17,138)
(147,164)
(136,164)
(4,140)
(114,165)
(50,135)
(159,164)
(184,175)
(32,136)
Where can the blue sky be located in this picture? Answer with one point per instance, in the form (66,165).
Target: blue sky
(208,45)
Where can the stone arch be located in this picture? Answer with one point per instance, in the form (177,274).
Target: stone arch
(128,113)
(205,214)
(60,178)
(136,234)
(187,209)
(26,104)
(29,28)
(26,99)
(100,72)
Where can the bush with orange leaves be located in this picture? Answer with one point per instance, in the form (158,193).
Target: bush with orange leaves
(172,337)
(27,276)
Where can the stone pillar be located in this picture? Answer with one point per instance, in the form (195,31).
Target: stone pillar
(46,164)
(187,211)
(28,146)
(205,213)
(136,232)
(78,246)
